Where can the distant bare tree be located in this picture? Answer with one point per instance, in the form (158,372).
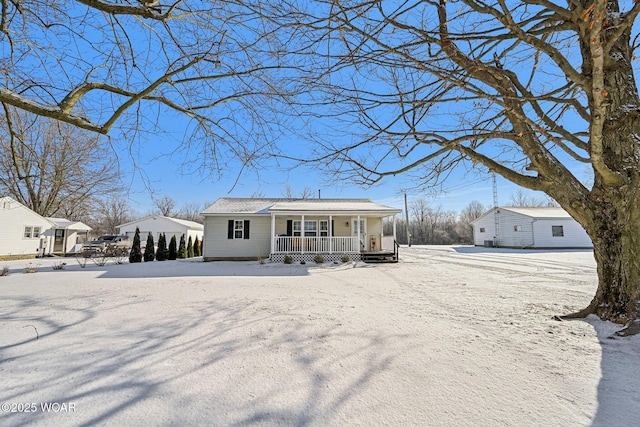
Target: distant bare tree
(521,199)
(423,220)
(165,205)
(54,168)
(432,226)
(109,214)
(306,193)
(191,212)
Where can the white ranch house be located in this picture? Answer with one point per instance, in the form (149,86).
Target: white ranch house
(156,224)
(248,229)
(24,233)
(540,228)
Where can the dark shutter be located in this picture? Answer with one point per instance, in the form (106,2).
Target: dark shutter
(246,229)
(289,227)
(333,230)
(230,230)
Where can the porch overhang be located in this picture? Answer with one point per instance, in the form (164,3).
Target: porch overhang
(366,209)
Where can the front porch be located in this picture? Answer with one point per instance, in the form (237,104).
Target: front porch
(332,249)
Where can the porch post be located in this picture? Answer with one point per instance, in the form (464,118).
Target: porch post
(302,234)
(394,228)
(64,242)
(273,232)
(358,231)
(330,232)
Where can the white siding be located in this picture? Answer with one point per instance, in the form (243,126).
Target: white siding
(574,234)
(14,217)
(217,246)
(516,231)
(156,225)
(71,241)
(486,223)
(374,229)
(531,232)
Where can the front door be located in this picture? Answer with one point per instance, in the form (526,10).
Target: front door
(58,240)
(363,231)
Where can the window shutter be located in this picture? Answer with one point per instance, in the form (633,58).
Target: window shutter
(246,229)
(333,230)
(230,230)
(289,227)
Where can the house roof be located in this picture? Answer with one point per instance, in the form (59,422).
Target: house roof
(539,212)
(231,206)
(69,225)
(185,223)
(536,213)
(228,205)
(7,202)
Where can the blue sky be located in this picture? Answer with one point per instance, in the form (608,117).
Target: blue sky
(156,173)
(163,178)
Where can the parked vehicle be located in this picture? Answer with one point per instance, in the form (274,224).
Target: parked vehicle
(108,244)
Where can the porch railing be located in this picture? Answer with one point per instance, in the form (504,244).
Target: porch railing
(287,244)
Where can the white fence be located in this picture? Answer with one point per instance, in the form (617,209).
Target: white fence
(329,245)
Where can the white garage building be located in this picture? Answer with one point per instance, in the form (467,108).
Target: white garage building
(156,224)
(514,227)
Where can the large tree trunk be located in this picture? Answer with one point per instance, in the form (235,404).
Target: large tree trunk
(613,219)
(616,239)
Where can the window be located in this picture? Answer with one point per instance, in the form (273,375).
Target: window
(238,229)
(517,228)
(557,231)
(310,228)
(482,229)
(324,228)
(297,228)
(31,232)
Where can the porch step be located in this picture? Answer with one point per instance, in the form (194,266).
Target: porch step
(379,257)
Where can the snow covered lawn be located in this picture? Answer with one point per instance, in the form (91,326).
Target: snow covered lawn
(450,336)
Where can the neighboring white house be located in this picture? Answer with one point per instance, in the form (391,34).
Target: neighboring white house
(514,227)
(245,229)
(156,224)
(24,233)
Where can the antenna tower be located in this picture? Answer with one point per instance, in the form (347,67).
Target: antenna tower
(496,217)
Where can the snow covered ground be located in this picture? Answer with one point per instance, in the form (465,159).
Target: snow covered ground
(449,336)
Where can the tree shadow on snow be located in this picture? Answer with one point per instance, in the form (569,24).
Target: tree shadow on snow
(200,363)
(193,267)
(618,391)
